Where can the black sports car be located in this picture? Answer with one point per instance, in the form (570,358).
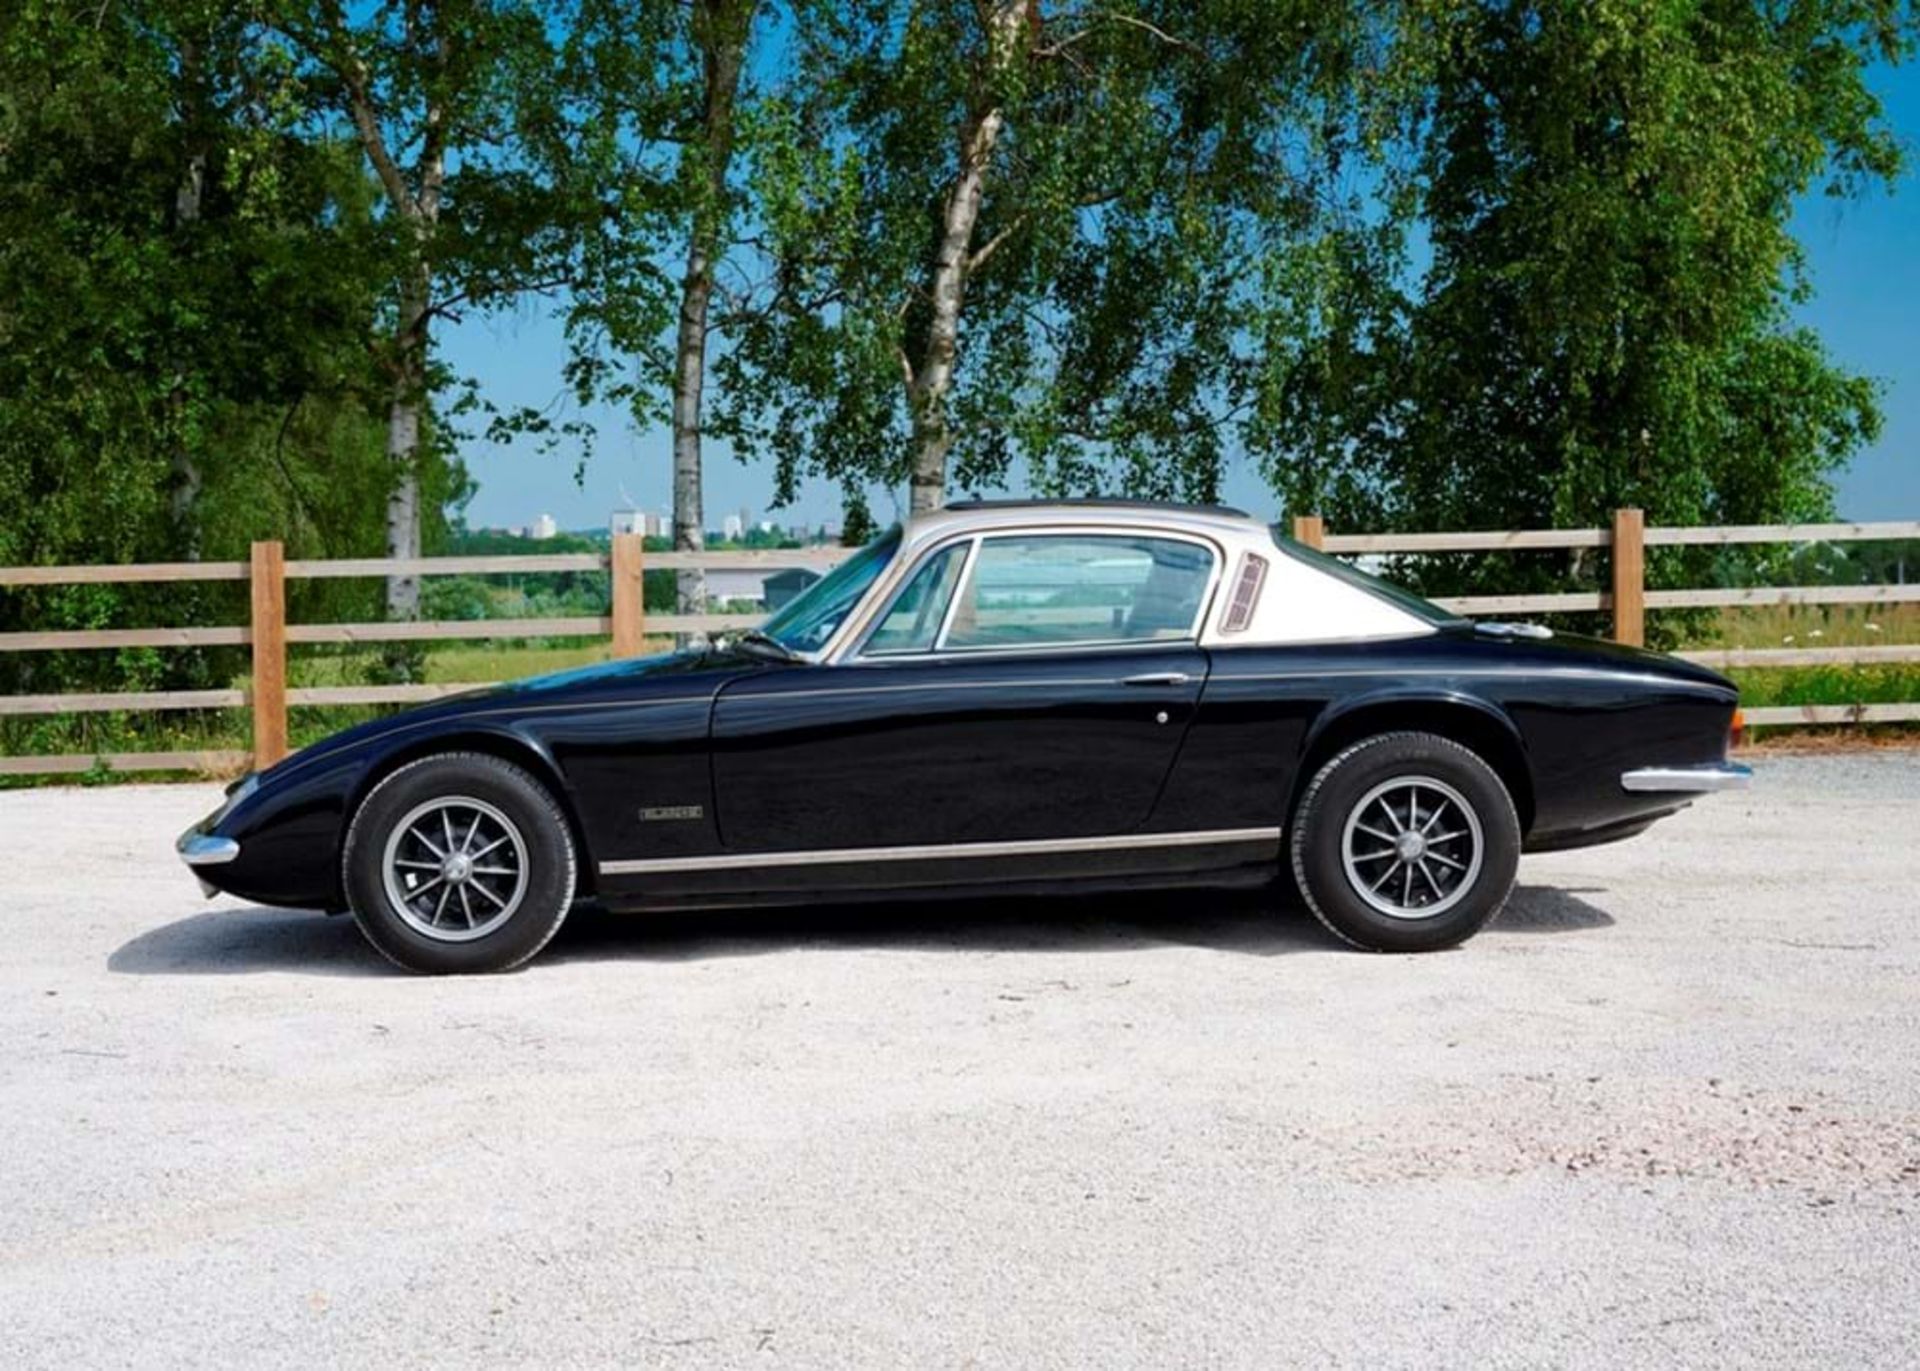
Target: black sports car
(1000,697)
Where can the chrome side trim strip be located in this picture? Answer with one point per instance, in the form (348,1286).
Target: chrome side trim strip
(1677,779)
(202,849)
(1223,674)
(895,687)
(924,852)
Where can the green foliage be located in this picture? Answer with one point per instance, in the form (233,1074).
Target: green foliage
(1445,263)
(1167,185)
(1604,188)
(183,322)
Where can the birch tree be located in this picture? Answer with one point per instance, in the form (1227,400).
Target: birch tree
(1608,189)
(1002,230)
(718,32)
(996,57)
(440,96)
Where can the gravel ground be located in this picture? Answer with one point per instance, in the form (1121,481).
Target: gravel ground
(1666,1110)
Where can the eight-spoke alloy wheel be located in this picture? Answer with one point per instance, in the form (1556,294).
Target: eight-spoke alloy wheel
(459,862)
(1405,842)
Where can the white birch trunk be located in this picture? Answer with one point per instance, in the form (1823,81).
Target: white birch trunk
(721,27)
(403,456)
(931,380)
(184,496)
(689,380)
(404,413)
(188,197)
(418,204)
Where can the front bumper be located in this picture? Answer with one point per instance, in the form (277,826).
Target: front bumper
(1688,780)
(198,849)
(203,849)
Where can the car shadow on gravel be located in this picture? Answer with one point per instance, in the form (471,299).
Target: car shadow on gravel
(1550,909)
(251,938)
(1230,922)
(256,939)
(1248,923)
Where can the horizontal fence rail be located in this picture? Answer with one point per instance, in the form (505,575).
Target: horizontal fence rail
(627,625)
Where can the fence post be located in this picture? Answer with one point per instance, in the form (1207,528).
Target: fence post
(628,573)
(1309,529)
(1629,559)
(268,583)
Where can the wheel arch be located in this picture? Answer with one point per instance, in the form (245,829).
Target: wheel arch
(506,744)
(1480,727)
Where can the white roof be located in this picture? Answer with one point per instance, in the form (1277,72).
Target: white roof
(1298,602)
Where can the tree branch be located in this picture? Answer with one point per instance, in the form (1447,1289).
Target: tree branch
(993,244)
(362,110)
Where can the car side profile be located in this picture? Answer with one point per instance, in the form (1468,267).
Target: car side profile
(1002,697)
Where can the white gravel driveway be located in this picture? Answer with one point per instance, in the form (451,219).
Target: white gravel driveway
(1666,1111)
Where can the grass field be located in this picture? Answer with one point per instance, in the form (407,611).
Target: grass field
(456,663)
(1821,626)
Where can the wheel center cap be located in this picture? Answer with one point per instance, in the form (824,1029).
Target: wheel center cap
(457,868)
(1411,847)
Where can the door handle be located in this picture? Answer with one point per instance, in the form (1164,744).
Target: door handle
(1158,678)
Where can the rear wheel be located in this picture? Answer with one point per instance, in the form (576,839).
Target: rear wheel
(1406,842)
(459,862)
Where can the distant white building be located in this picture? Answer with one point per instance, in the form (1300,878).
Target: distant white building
(733,527)
(544,527)
(642,521)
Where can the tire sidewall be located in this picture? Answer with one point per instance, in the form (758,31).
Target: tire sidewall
(551,870)
(1319,833)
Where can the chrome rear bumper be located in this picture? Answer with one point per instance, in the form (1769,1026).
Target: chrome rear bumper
(1674,780)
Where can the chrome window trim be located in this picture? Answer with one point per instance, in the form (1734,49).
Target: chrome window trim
(916,852)
(871,612)
(959,589)
(1294,606)
(861,651)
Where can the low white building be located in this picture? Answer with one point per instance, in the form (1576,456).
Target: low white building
(544,527)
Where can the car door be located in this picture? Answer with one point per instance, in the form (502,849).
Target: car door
(1021,686)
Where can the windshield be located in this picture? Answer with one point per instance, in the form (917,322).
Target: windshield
(811,618)
(1373,585)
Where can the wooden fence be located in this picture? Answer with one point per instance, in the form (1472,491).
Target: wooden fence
(627,623)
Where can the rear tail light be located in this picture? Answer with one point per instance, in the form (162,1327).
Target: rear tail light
(1737,730)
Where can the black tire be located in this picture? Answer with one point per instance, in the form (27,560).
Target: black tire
(506,807)
(1376,776)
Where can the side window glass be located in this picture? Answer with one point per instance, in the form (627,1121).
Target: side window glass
(913,620)
(1054,589)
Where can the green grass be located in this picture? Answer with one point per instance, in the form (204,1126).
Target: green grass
(457,663)
(1820,626)
(1789,626)
(1894,683)
(226,730)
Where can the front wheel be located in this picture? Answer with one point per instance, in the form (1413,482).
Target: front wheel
(459,862)
(1406,842)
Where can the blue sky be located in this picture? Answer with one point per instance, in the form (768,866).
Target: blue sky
(1864,257)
